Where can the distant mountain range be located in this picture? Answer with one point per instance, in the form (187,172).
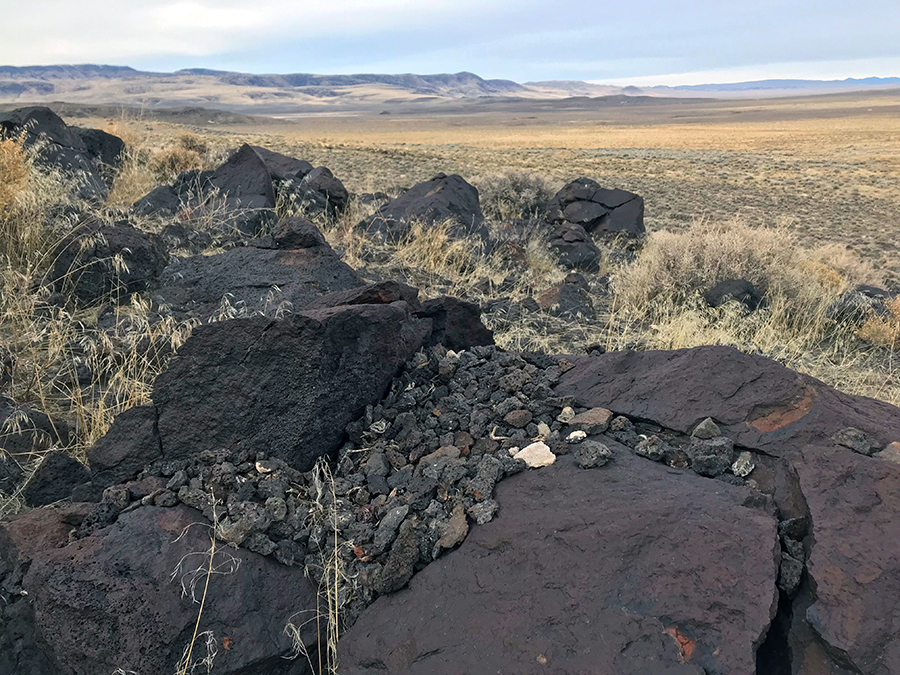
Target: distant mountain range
(765,85)
(305,92)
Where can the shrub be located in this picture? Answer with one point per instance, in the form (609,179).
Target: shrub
(514,194)
(14,170)
(883,331)
(167,164)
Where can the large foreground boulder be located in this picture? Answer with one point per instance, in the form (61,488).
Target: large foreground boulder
(852,598)
(126,598)
(442,199)
(599,210)
(633,569)
(757,402)
(58,147)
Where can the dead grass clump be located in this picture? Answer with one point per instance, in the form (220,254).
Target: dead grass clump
(884,331)
(167,164)
(14,170)
(674,266)
(514,194)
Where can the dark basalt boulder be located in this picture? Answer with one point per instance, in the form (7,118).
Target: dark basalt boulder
(574,248)
(131,443)
(630,569)
(29,431)
(178,237)
(850,599)
(321,180)
(738,290)
(757,402)
(59,147)
(281,167)
(110,603)
(598,210)
(107,151)
(292,233)
(288,388)
(859,304)
(84,265)
(569,299)
(54,479)
(252,279)
(456,324)
(443,198)
(242,193)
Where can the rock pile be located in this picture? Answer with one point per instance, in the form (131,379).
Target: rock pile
(682,512)
(87,155)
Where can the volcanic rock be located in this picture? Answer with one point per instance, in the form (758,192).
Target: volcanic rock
(598,210)
(84,262)
(854,565)
(738,290)
(759,404)
(649,587)
(54,479)
(59,147)
(252,279)
(103,603)
(284,387)
(443,198)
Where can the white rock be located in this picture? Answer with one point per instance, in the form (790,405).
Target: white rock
(576,436)
(543,430)
(743,466)
(536,455)
(513,450)
(566,415)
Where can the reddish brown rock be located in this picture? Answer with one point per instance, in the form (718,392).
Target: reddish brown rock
(854,566)
(756,402)
(109,601)
(587,572)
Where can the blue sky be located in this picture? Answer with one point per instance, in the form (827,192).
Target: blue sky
(636,41)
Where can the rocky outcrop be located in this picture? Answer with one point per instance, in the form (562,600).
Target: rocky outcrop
(442,199)
(241,194)
(757,402)
(63,148)
(587,571)
(598,210)
(127,597)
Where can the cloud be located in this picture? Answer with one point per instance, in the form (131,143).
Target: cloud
(525,40)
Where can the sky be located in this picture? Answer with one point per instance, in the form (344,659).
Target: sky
(642,42)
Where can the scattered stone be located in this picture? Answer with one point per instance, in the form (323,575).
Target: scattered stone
(483,512)
(706,430)
(576,437)
(856,440)
(653,448)
(536,455)
(566,415)
(568,300)
(591,454)
(518,418)
(891,453)
(456,529)
(711,457)
(593,421)
(744,465)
